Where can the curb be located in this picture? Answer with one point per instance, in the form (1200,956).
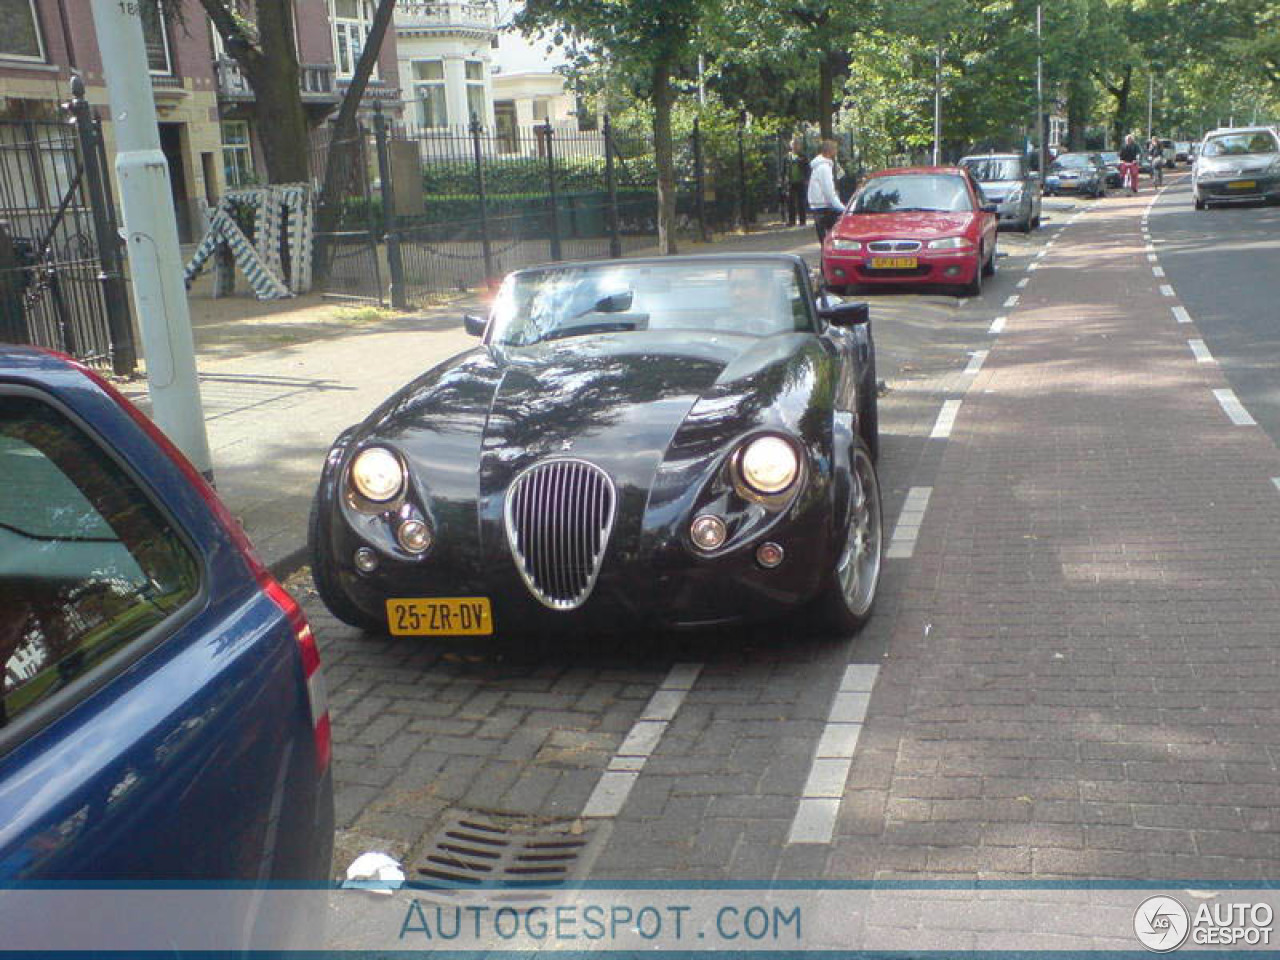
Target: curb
(286,566)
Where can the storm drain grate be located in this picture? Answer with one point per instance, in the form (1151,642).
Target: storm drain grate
(479,849)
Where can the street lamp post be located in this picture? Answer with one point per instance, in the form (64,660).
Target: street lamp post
(937,105)
(1151,98)
(1040,132)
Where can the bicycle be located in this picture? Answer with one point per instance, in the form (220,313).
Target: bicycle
(1129,172)
(1157,172)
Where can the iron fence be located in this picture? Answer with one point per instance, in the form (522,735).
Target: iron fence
(61,281)
(461,206)
(347,263)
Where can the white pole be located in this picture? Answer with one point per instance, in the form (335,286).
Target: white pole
(937,106)
(155,262)
(1151,91)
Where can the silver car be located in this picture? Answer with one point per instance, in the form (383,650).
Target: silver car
(1007,181)
(1236,163)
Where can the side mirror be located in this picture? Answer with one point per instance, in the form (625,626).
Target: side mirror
(474,325)
(846,314)
(990,208)
(1033,175)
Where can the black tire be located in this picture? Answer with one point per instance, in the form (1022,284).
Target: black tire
(835,609)
(989,268)
(974,287)
(328,586)
(1199,202)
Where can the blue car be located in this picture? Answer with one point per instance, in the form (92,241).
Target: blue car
(162,710)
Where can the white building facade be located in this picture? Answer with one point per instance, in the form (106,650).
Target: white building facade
(445,54)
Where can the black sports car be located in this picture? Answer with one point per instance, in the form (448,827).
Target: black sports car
(673,442)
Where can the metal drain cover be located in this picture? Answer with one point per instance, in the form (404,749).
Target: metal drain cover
(473,849)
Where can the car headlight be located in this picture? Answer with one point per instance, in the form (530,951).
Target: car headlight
(377,474)
(769,465)
(838,243)
(951,243)
(1014,195)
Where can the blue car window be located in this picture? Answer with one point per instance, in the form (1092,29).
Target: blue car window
(87,561)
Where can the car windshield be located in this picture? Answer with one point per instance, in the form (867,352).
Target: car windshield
(1238,144)
(990,169)
(754,298)
(1072,160)
(945,193)
(1110,157)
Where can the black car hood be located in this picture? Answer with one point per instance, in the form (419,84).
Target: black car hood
(475,421)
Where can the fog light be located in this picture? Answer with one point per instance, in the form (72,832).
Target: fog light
(707,532)
(838,272)
(769,555)
(414,536)
(366,560)
(952,271)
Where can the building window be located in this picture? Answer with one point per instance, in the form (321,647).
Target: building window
(586,116)
(429,90)
(156,39)
(20,30)
(237,154)
(351,22)
(477,103)
(540,111)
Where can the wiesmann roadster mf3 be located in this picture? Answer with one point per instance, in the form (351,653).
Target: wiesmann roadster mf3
(676,442)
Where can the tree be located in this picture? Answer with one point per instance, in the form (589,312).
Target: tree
(262,44)
(646,43)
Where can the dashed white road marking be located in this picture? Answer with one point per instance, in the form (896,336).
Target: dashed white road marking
(1011,302)
(614,785)
(903,542)
(1040,255)
(946,420)
(1234,409)
(1200,351)
(815,818)
(1276,481)
(1180,314)
(1032,267)
(997,325)
(1152,258)
(1157,271)
(1166,290)
(1022,284)
(976,361)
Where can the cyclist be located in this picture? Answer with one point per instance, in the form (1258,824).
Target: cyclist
(1155,150)
(1129,154)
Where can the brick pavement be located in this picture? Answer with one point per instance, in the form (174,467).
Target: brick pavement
(1082,679)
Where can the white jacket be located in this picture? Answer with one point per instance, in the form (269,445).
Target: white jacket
(822,185)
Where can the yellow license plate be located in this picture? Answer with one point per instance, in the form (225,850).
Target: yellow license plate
(440,617)
(893,263)
(1242,184)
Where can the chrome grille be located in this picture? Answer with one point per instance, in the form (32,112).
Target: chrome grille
(893,246)
(559,514)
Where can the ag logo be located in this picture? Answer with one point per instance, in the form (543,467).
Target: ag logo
(1161,923)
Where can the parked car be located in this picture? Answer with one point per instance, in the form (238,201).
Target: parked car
(1111,159)
(162,711)
(1170,154)
(1182,151)
(1083,173)
(1007,181)
(1235,164)
(667,443)
(913,225)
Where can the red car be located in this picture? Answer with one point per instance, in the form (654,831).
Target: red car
(913,225)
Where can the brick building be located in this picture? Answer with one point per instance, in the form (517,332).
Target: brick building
(206,111)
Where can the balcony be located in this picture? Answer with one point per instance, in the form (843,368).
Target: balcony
(316,81)
(459,18)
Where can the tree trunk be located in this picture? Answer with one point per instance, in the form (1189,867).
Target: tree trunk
(1077,113)
(1122,104)
(282,122)
(662,153)
(826,95)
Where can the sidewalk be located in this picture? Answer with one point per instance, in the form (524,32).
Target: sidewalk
(1082,681)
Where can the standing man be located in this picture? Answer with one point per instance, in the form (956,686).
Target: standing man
(797,183)
(1155,150)
(824,200)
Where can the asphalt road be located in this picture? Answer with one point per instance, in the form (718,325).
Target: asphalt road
(1224,265)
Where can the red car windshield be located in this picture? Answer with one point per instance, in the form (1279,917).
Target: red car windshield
(918,192)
